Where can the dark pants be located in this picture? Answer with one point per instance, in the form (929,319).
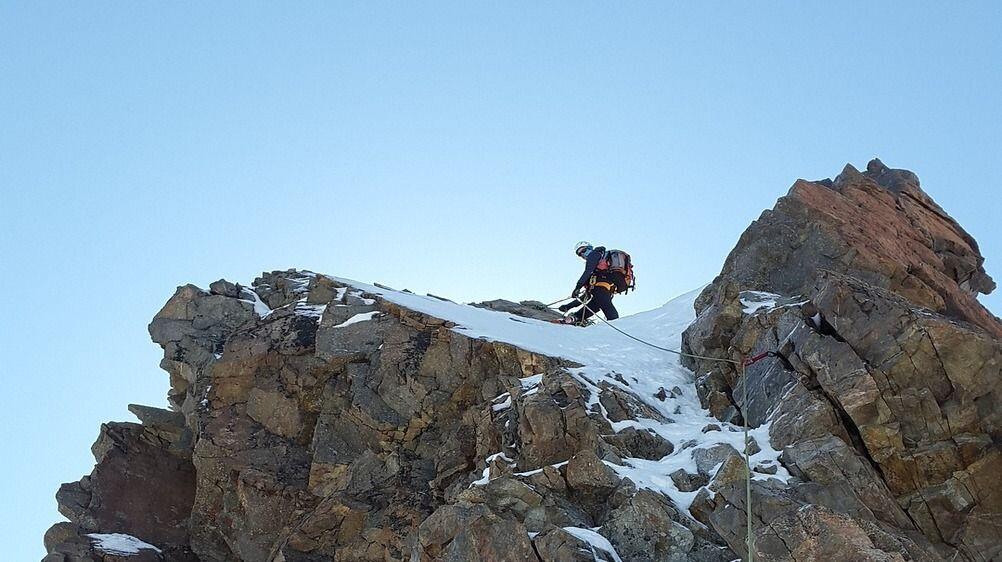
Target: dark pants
(601,299)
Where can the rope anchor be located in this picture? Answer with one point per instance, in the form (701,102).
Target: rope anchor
(755,359)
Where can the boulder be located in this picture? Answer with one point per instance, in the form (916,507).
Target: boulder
(640,443)
(709,459)
(138,487)
(688,482)
(527,309)
(587,473)
(644,529)
(456,533)
(557,545)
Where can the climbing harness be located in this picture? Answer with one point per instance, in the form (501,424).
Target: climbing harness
(743,364)
(605,285)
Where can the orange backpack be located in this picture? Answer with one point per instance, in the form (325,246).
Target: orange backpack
(618,261)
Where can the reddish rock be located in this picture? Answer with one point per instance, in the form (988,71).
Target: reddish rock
(884,392)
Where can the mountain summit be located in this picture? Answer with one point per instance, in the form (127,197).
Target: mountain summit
(315,418)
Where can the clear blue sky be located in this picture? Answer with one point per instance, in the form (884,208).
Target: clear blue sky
(460,150)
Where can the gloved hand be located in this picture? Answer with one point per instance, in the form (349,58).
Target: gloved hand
(566,307)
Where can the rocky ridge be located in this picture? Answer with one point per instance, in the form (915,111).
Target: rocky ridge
(884,392)
(314,418)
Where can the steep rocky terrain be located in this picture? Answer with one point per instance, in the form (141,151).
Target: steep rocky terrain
(884,394)
(316,418)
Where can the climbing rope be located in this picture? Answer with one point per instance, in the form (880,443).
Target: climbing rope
(742,365)
(750,538)
(750,361)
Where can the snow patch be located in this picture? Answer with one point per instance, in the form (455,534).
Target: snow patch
(311,310)
(530,385)
(486,474)
(531,381)
(119,544)
(301,284)
(540,470)
(595,540)
(503,405)
(358,295)
(261,309)
(754,301)
(362,317)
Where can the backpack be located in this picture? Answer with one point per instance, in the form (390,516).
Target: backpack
(618,261)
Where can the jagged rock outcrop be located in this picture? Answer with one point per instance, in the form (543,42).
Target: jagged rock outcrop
(318,422)
(528,309)
(884,394)
(315,419)
(878,226)
(117,497)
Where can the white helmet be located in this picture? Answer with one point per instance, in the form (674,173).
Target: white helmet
(581,247)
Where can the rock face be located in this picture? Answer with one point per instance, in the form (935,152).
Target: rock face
(878,226)
(312,420)
(142,485)
(885,391)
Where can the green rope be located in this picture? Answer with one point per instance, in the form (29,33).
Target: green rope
(675,351)
(750,539)
(750,535)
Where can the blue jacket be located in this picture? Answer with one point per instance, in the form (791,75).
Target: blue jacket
(594,256)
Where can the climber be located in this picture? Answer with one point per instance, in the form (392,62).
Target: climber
(606,273)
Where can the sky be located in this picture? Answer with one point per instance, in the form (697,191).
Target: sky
(454,148)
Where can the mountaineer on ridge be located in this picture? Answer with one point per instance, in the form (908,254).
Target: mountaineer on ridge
(606,273)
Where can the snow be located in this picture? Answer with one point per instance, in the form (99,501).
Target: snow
(596,541)
(540,470)
(362,317)
(260,308)
(754,301)
(486,475)
(530,385)
(503,405)
(816,319)
(610,358)
(312,310)
(119,544)
(300,307)
(529,382)
(302,284)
